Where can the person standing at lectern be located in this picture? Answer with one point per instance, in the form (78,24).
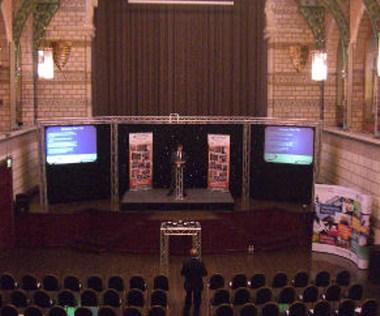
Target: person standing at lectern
(176,156)
(193,270)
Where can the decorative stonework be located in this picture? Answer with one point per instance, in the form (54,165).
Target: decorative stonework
(373,10)
(340,19)
(43,12)
(315,18)
(20,19)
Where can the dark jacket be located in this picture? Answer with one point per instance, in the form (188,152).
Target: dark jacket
(193,270)
(174,158)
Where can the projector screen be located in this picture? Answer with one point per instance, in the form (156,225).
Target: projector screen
(289,145)
(70,144)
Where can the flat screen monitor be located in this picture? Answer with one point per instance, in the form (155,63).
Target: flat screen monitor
(71,144)
(289,145)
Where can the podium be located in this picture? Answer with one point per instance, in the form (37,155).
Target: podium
(180,228)
(179,179)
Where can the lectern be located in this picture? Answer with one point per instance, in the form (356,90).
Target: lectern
(179,179)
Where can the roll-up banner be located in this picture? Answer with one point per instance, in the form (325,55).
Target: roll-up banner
(342,223)
(140,161)
(219,162)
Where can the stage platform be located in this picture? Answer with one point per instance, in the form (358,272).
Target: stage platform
(157,200)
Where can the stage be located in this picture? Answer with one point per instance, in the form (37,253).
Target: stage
(157,199)
(267,225)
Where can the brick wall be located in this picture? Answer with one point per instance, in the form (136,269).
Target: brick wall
(23,147)
(27,97)
(69,94)
(4,78)
(353,162)
(291,94)
(359,52)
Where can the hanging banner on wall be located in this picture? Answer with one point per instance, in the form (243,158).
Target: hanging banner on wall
(219,162)
(341,223)
(140,161)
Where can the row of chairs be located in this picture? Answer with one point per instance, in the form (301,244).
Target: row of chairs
(10,310)
(346,307)
(88,297)
(286,295)
(52,283)
(280,279)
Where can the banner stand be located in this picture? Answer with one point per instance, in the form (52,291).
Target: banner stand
(219,162)
(342,223)
(140,161)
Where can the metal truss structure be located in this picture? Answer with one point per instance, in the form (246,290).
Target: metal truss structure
(173,119)
(179,228)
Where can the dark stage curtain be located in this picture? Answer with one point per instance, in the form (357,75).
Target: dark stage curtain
(191,60)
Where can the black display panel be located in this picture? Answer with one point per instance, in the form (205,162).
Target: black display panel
(70,144)
(289,145)
(278,181)
(82,181)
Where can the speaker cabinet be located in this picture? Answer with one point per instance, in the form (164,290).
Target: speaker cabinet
(22,203)
(374,265)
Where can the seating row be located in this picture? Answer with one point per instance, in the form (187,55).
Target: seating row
(10,310)
(285,295)
(280,279)
(51,283)
(41,298)
(345,307)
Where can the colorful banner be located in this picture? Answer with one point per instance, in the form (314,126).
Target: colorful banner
(219,162)
(341,224)
(140,161)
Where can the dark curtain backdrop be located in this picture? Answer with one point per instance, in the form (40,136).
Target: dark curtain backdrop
(191,60)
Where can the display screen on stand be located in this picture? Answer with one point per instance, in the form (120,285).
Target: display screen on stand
(289,145)
(71,144)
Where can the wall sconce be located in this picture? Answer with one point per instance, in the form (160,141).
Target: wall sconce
(299,55)
(45,67)
(61,53)
(319,65)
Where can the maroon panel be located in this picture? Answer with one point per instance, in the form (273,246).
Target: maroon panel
(136,233)
(6,207)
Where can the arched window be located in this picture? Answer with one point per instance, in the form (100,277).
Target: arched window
(370,83)
(339,109)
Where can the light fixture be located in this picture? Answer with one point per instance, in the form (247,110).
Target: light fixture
(319,65)
(45,68)
(9,162)
(61,53)
(189,2)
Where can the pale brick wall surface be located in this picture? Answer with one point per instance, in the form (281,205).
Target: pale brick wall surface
(291,94)
(68,95)
(364,32)
(23,147)
(4,79)
(353,163)
(26,75)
